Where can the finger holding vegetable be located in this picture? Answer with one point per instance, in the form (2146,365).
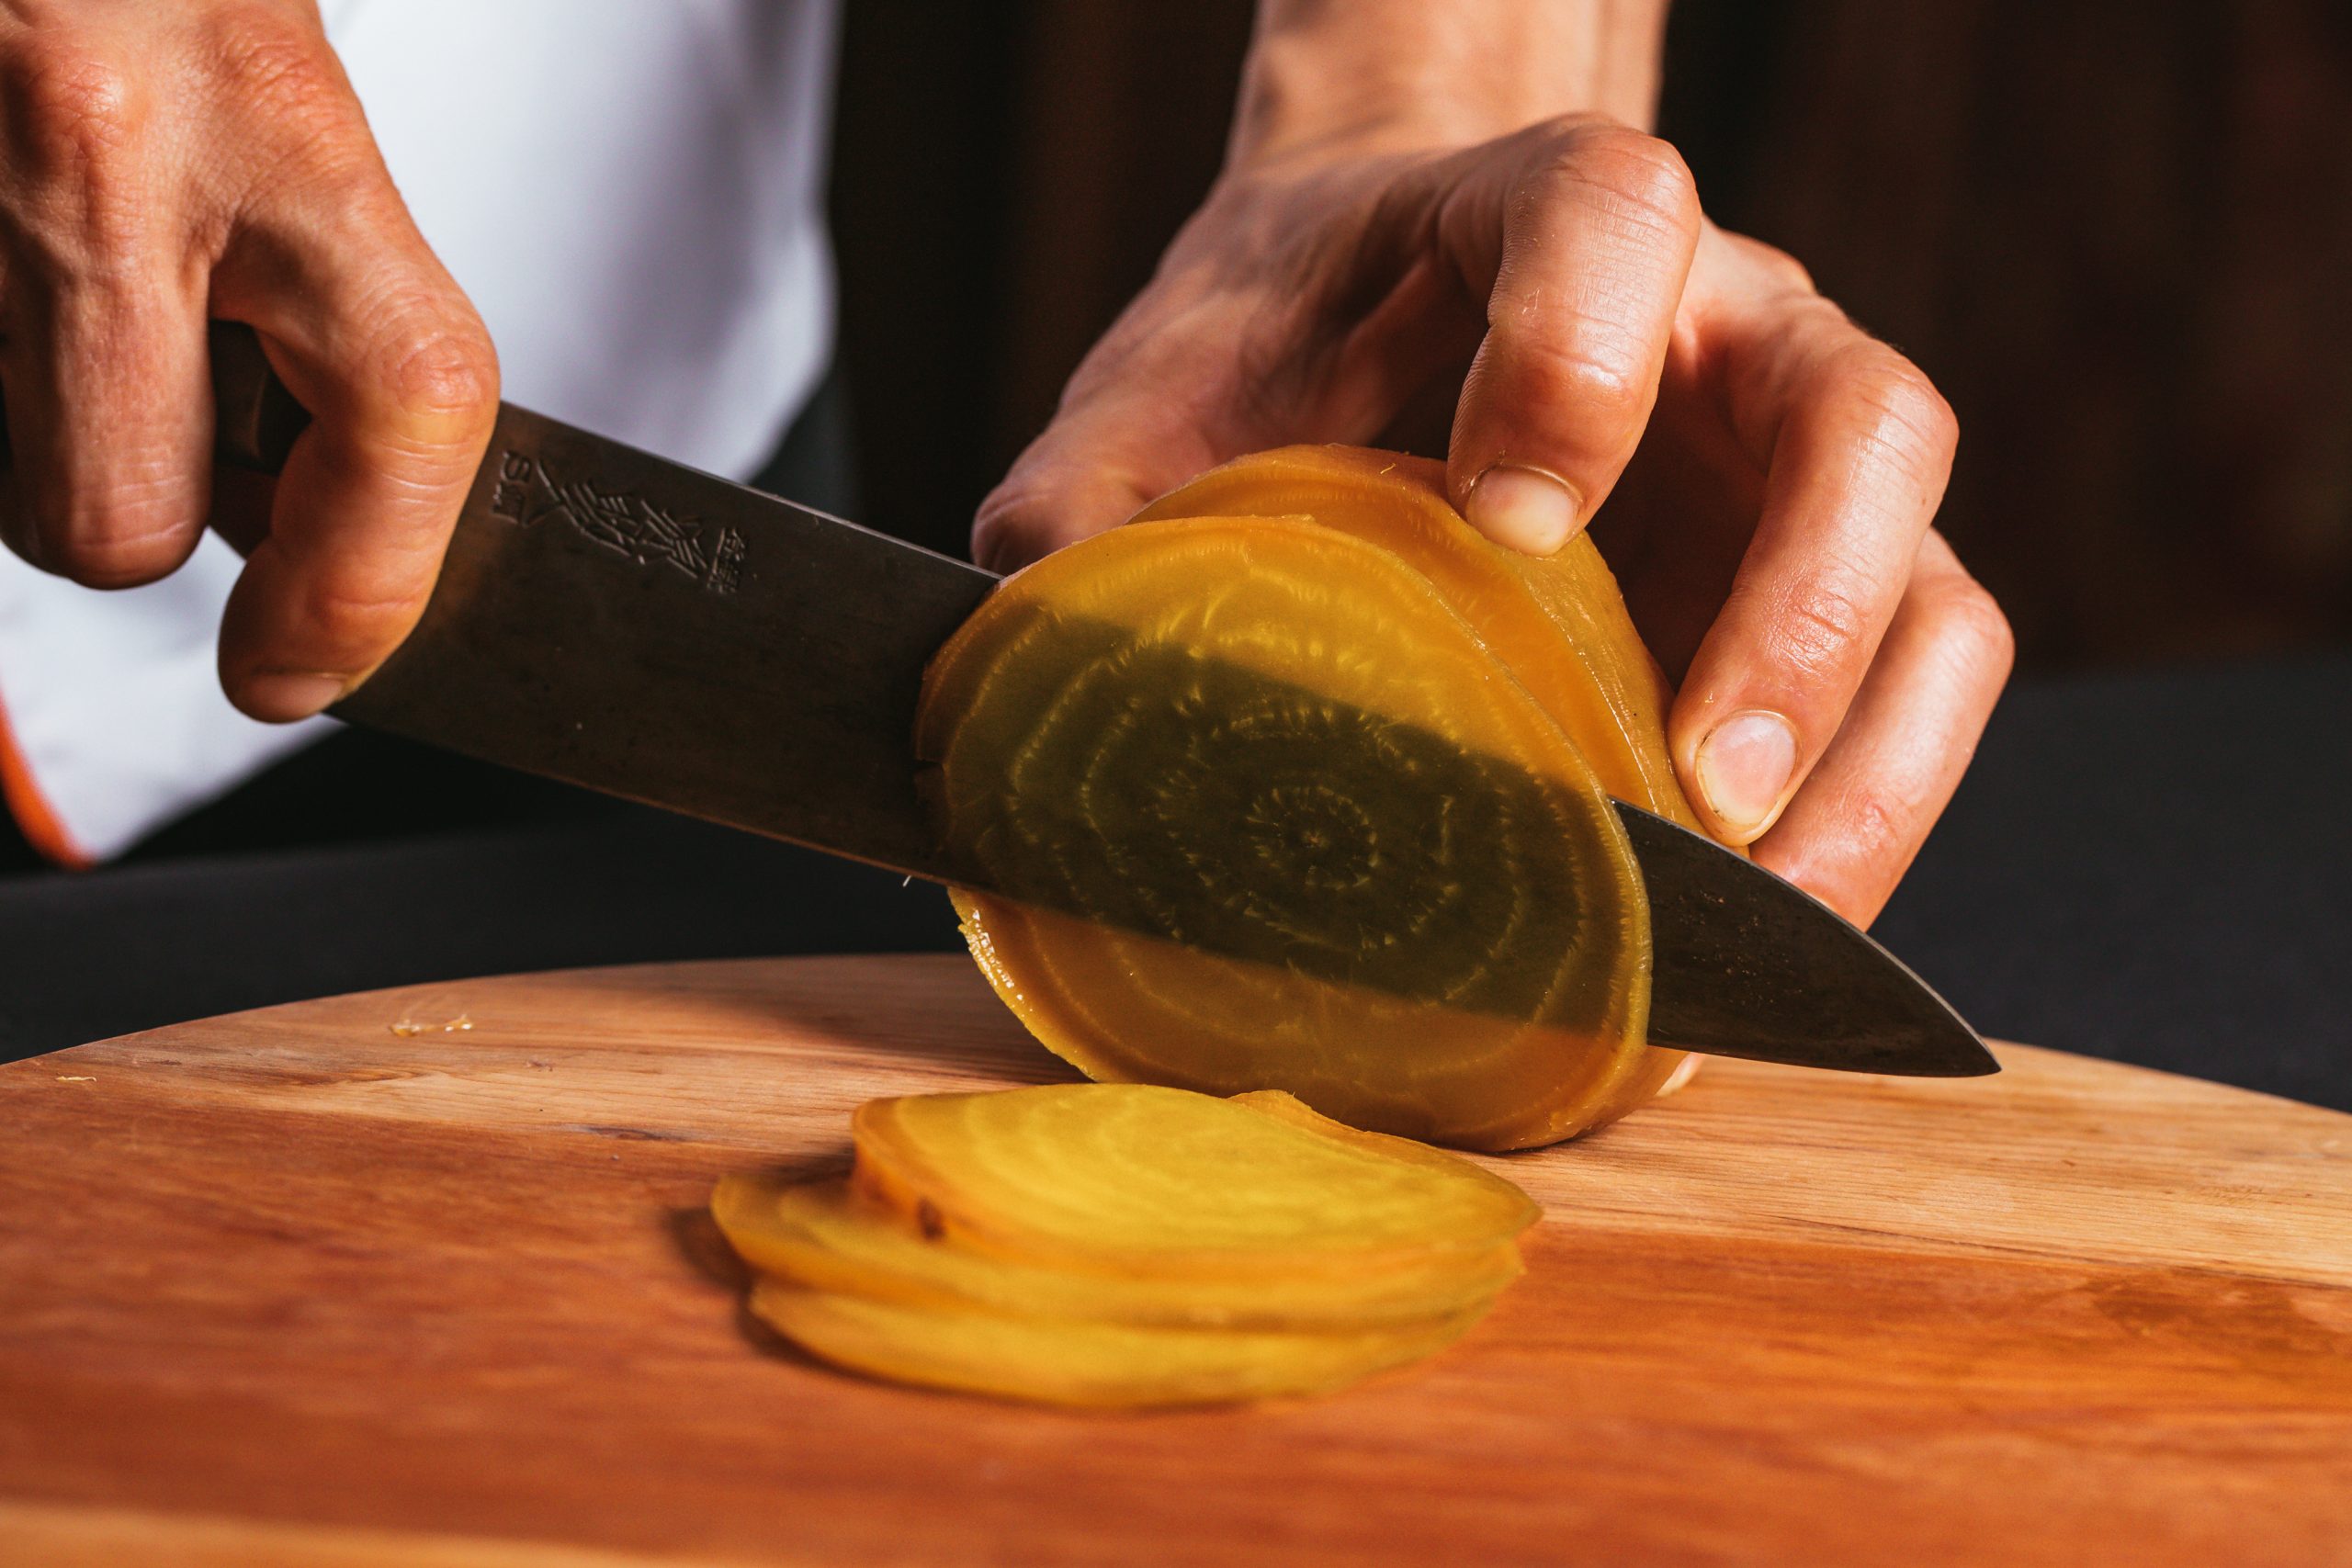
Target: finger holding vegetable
(1761,474)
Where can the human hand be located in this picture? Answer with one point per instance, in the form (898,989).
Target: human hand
(162,165)
(1558,292)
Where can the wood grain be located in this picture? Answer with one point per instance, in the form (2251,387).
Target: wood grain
(292,1287)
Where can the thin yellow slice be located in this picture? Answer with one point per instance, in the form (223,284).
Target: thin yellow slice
(1062,1361)
(827,1237)
(1266,813)
(1161,1182)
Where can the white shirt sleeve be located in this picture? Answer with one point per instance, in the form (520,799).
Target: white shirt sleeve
(630,192)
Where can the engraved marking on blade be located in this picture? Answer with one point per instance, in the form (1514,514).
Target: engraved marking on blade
(627,525)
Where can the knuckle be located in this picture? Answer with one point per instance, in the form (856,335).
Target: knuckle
(1602,381)
(119,530)
(1641,175)
(1819,629)
(1866,395)
(123,545)
(1780,272)
(364,611)
(1971,621)
(1022,520)
(1809,631)
(283,78)
(75,111)
(1900,408)
(440,368)
(258,48)
(1878,824)
(1803,638)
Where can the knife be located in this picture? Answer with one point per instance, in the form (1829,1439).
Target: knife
(616,620)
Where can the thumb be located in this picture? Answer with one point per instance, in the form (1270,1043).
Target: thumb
(1090,470)
(1239,345)
(1145,410)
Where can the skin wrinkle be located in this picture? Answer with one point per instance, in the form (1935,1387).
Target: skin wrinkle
(1807,544)
(329,608)
(1895,764)
(1656,201)
(71,115)
(1817,635)
(1615,396)
(1814,642)
(1592,292)
(1892,442)
(141,554)
(123,508)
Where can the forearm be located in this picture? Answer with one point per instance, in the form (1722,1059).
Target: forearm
(1374,75)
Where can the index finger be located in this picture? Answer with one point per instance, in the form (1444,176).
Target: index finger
(1589,235)
(382,348)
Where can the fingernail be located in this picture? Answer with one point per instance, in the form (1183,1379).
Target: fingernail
(1529,509)
(283,696)
(1745,765)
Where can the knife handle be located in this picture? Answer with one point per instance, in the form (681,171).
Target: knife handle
(255,418)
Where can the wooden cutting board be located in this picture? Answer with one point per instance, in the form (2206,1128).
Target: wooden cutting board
(422,1277)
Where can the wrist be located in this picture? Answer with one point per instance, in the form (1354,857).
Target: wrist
(1396,76)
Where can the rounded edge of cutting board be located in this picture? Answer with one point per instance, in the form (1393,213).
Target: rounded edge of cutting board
(428,1264)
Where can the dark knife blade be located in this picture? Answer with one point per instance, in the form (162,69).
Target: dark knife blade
(618,621)
(1750,964)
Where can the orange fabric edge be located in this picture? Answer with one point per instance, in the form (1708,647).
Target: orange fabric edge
(35,818)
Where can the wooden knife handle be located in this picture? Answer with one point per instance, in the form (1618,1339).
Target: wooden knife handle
(256,419)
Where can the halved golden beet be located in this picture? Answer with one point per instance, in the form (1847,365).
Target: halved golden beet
(1557,621)
(828,1235)
(1066,1361)
(1263,810)
(1161,1184)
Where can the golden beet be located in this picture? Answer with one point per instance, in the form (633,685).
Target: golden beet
(1070,1361)
(1299,784)
(828,1235)
(1557,620)
(1155,1181)
(1126,1243)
